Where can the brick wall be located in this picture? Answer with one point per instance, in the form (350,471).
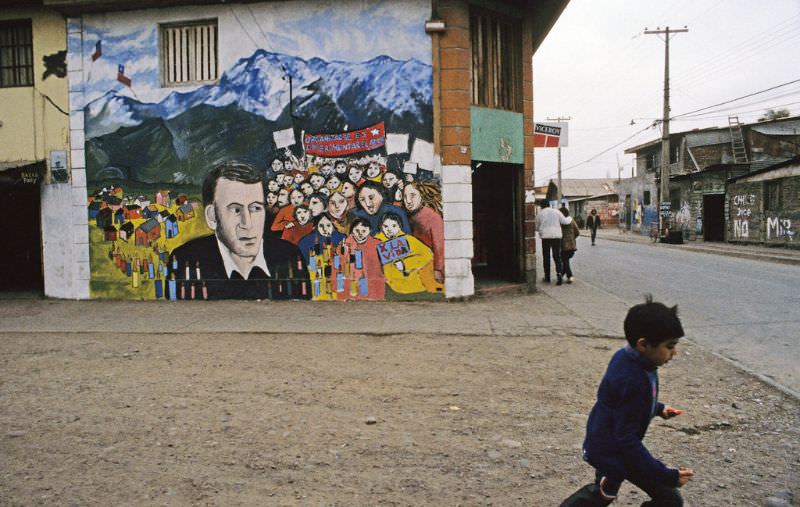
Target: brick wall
(452,88)
(529,212)
(452,141)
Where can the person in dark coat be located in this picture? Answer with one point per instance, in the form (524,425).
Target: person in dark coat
(592,223)
(627,400)
(569,244)
(238,261)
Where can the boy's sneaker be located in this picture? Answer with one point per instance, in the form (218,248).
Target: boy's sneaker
(569,279)
(559,280)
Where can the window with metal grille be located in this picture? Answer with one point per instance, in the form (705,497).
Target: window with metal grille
(496,60)
(772,195)
(16,53)
(188,52)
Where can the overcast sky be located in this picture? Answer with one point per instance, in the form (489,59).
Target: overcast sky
(598,67)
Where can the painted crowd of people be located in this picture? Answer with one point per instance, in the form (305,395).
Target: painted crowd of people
(365,231)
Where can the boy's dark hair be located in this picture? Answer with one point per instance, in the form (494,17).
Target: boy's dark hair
(653,321)
(360,221)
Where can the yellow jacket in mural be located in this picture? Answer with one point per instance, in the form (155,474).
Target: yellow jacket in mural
(418,274)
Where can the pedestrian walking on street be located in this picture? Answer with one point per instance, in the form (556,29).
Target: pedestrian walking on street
(548,224)
(627,400)
(592,223)
(569,244)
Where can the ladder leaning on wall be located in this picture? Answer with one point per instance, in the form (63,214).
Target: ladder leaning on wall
(737,140)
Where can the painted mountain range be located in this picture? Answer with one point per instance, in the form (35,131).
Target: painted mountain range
(179,138)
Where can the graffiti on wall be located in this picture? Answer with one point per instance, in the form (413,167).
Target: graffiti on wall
(780,228)
(741,209)
(305,171)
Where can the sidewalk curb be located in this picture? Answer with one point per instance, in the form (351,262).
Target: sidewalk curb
(765,257)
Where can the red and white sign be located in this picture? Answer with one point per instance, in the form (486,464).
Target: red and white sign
(549,135)
(345,143)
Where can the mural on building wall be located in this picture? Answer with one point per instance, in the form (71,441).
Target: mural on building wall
(305,171)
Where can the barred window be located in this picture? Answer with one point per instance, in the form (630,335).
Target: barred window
(188,52)
(496,60)
(772,195)
(16,53)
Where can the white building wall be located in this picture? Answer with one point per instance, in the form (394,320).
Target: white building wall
(65,230)
(458,244)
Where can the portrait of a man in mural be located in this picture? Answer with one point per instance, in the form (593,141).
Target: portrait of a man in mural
(238,260)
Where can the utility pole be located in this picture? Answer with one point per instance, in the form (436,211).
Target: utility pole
(663,201)
(560,193)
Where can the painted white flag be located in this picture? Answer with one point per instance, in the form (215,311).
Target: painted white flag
(422,154)
(396,143)
(283,138)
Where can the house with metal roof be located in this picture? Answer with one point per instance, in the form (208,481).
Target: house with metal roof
(701,163)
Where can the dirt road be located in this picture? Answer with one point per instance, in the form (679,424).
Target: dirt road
(251,419)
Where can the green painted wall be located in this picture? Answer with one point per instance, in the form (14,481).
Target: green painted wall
(496,136)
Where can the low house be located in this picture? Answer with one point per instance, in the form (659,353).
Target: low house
(110,233)
(148,232)
(94,208)
(119,216)
(113,202)
(104,218)
(133,211)
(126,231)
(163,215)
(185,212)
(764,206)
(703,160)
(584,195)
(171,226)
(150,211)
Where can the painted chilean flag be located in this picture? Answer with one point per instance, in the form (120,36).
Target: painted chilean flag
(345,143)
(121,77)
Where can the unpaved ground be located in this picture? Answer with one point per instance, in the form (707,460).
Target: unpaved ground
(245,419)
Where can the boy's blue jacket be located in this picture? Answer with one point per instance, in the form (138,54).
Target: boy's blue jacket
(627,400)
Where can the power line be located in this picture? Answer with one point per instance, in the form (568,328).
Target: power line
(590,159)
(738,98)
(739,106)
(255,44)
(260,29)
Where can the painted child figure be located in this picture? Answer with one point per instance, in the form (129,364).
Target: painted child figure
(627,400)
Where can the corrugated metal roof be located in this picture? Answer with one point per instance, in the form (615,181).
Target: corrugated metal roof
(784,128)
(708,138)
(587,187)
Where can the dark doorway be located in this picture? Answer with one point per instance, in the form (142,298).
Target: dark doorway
(496,222)
(628,212)
(714,217)
(20,228)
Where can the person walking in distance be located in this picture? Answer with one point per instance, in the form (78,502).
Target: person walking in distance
(592,223)
(627,400)
(569,243)
(548,225)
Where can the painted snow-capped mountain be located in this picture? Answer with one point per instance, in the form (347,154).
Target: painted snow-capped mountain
(234,118)
(259,85)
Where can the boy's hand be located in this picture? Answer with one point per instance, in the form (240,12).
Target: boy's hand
(670,412)
(684,474)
